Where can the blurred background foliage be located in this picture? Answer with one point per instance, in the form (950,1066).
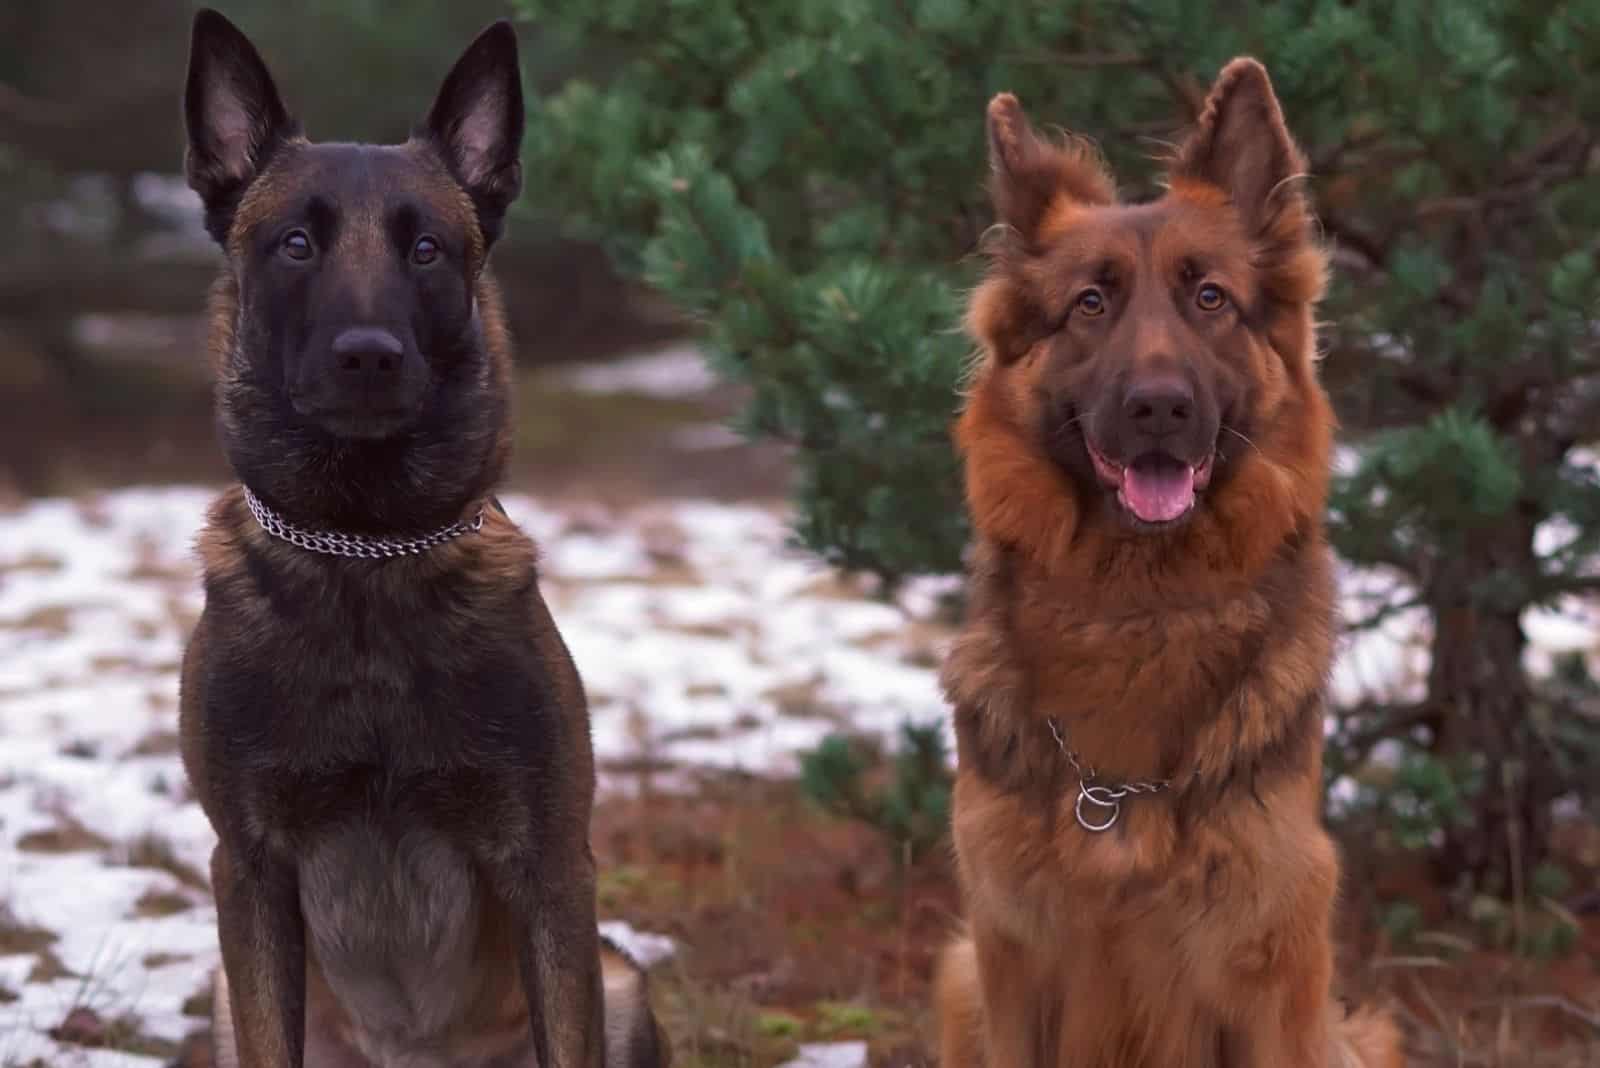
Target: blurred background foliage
(103,256)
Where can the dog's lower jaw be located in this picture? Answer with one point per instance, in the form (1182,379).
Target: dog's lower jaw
(366,426)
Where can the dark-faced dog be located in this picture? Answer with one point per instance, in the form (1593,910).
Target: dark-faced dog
(379,717)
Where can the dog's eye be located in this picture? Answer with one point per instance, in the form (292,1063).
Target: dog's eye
(1091,302)
(1210,297)
(425,251)
(297,245)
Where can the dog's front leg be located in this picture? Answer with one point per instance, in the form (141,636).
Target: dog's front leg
(1021,1025)
(264,954)
(559,958)
(1291,1028)
(1280,1001)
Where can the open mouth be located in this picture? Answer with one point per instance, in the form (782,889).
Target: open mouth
(1156,487)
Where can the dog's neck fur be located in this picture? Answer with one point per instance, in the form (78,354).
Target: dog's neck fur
(1179,634)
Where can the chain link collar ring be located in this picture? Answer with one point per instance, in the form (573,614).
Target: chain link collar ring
(1107,799)
(363,546)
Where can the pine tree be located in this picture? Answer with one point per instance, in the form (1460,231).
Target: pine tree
(907,801)
(806,178)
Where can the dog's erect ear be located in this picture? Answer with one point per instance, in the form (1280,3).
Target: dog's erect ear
(234,116)
(1243,147)
(476,124)
(1031,177)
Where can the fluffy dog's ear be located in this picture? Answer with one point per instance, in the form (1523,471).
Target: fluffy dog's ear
(476,124)
(234,116)
(1242,146)
(1031,178)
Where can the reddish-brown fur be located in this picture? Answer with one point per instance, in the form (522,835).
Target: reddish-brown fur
(1196,932)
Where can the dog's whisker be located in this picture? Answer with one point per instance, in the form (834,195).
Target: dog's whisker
(1241,437)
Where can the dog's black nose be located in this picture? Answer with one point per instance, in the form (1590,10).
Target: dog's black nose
(370,352)
(1159,406)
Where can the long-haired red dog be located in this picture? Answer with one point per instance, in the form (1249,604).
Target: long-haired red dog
(1139,686)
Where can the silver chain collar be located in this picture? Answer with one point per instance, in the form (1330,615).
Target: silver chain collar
(1104,798)
(334,543)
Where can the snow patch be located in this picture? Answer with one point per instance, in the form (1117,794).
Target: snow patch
(672,373)
(644,949)
(830,1055)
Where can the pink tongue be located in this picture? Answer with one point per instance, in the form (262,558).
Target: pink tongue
(1158,492)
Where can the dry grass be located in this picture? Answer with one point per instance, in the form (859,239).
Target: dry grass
(156,743)
(85,1027)
(154,904)
(803,700)
(18,938)
(49,967)
(161,960)
(97,1012)
(69,836)
(35,563)
(53,620)
(156,852)
(198,1004)
(793,927)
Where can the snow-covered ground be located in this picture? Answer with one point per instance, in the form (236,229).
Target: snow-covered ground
(677,371)
(703,639)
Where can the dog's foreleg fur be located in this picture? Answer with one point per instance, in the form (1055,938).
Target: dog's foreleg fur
(263,948)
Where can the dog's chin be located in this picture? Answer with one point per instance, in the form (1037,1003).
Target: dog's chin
(360,423)
(1154,491)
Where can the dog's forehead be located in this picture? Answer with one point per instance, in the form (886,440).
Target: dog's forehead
(1170,233)
(356,180)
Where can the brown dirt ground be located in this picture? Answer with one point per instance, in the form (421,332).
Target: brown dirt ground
(796,927)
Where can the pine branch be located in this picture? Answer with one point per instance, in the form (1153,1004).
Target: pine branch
(1079,59)
(1351,236)
(1384,613)
(1389,721)
(1568,585)
(1333,157)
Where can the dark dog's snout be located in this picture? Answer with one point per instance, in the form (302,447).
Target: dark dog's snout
(369,353)
(365,381)
(1159,407)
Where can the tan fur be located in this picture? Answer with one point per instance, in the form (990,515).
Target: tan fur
(1195,933)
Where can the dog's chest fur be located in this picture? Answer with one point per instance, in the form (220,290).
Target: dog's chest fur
(389,726)
(404,933)
(1221,696)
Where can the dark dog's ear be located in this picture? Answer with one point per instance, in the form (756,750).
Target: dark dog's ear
(1031,177)
(234,117)
(476,124)
(1243,147)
